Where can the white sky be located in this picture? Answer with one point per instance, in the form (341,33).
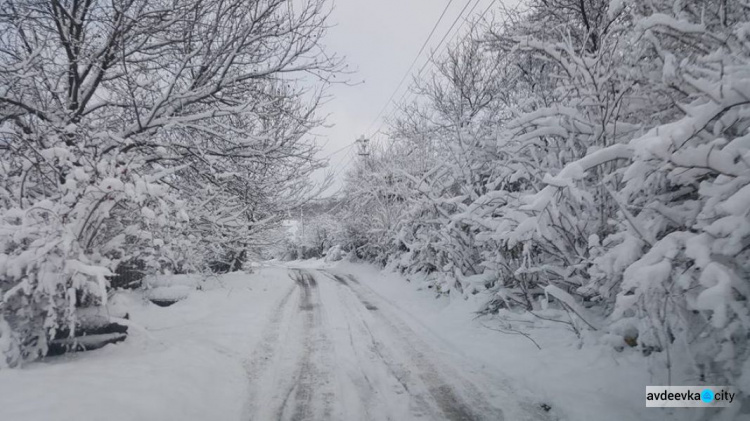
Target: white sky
(379,39)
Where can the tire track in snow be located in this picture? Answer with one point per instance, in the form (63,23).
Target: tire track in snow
(334,349)
(269,338)
(451,404)
(263,354)
(308,377)
(381,383)
(429,394)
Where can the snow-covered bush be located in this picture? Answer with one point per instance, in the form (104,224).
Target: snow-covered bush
(334,254)
(589,157)
(43,277)
(688,191)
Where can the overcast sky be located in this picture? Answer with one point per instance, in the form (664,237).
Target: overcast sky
(379,38)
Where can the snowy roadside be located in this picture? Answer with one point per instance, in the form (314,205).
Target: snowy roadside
(592,382)
(180,362)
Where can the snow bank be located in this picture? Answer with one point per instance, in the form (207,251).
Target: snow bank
(174,293)
(188,280)
(128,381)
(183,362)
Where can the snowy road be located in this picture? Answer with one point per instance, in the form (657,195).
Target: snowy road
(334,349)
(277,344)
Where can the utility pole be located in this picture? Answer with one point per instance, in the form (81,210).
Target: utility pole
(362,145)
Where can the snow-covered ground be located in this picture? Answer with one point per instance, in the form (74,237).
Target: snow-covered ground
(317,340)
(179,362)
(579,383)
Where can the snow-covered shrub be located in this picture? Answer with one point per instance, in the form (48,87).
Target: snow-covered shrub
(689,193)
(334,254)
(128,274)
(588,157)
(44,276)
(9,345)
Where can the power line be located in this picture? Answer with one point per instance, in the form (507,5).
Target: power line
(474,24)
(411,66)
(424,66)
(428,62)
(339,150)
(339,168)
(342,164)
(432,55)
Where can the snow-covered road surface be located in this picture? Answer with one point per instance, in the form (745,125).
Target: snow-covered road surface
(278,344)
(322,341)
(334,349)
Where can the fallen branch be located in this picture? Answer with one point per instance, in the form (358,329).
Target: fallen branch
(512,331)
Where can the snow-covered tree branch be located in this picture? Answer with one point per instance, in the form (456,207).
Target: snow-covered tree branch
(171,132)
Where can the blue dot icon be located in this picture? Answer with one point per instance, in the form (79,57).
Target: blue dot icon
(707,395)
